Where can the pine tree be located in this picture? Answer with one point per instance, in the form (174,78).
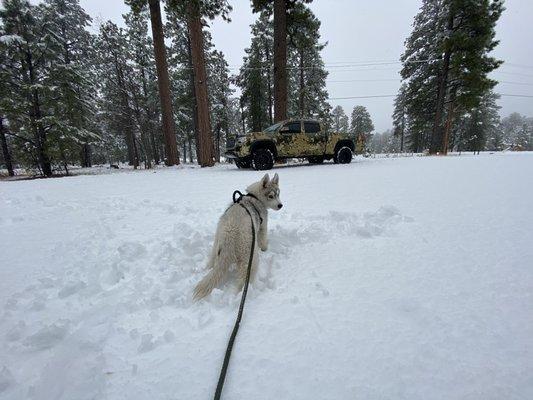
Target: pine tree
(517,132)
(361,127)
(141,87)
(255,76)
(307,75)
(469,39)
(193,12)
(445,67)
(115,75)
(31,51)
(479,129)
(340,120)
(399,116)
(219,98)
(306,72)
(420,74)
(73,112)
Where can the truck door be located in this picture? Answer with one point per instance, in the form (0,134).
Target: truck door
(315,138)
(291,139)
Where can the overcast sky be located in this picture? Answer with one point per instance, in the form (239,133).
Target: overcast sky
(363,31)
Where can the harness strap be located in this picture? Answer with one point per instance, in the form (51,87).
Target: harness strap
(237,197)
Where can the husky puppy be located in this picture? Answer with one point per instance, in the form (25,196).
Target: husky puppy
(233,238)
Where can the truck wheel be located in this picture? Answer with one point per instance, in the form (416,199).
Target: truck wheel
(315,160)
(262,159)
(343,155)
(242,164)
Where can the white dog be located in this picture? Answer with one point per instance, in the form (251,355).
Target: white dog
(233,238)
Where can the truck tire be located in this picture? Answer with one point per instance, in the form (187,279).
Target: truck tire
(315,159)
(343,155)
(242,163)
(262,159)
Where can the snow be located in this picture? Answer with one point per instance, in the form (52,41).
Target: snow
(389,278)
(11,39)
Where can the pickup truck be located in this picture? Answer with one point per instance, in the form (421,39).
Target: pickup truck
(294,138)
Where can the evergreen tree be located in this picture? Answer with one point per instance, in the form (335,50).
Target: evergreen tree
(306,72)
(307,75)
(73,112)
(143,89)
(361,127)
(31,52)
(517,132)
(255,76)
(399,116)
(192,12)
(340,120)
(479,129)
(115,74)
(445,67)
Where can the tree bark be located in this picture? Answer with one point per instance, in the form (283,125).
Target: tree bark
(5,150)
(280,60)
(436,133)
(194,102)
(269,85)
(163,82)
(205,140)
(126,115)
(302,85)
(36,118)
(449,122)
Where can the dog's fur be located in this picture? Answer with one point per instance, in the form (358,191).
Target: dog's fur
(233,238)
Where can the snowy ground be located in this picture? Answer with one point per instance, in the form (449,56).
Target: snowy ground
(404,278)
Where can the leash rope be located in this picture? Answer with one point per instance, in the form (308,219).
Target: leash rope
(237,197)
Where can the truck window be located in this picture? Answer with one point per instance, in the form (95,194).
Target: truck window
(294,127)
(311,127)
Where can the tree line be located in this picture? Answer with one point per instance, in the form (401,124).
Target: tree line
(72,97)
(446,100)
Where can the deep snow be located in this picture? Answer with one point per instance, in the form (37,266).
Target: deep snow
(405,278)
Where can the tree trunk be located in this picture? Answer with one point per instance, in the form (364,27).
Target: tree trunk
(217,143)
(194,102)
(269,85)
(126,116)
(163,82)
(148,123)
(436,133)
(448,126)
(280,60)
(5,150)
(189,142)
(205,140)
(302,85)
(86,161)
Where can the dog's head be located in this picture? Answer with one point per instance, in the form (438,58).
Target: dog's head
(267,190)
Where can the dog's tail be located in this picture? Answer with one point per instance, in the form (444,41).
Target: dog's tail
(208,283)
(218,265)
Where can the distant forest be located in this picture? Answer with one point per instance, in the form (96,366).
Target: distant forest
(157,91)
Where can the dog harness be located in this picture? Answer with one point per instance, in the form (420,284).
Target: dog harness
(237,197)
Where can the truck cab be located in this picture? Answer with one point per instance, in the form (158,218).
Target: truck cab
(294,138)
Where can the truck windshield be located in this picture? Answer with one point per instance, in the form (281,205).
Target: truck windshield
(273,128)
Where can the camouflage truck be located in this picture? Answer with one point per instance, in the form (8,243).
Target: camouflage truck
(293,138)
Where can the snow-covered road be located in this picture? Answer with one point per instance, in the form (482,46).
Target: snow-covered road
(404,278)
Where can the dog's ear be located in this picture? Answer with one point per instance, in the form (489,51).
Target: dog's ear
(265,180)
(275,180)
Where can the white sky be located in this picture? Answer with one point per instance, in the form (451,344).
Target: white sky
(368,31)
